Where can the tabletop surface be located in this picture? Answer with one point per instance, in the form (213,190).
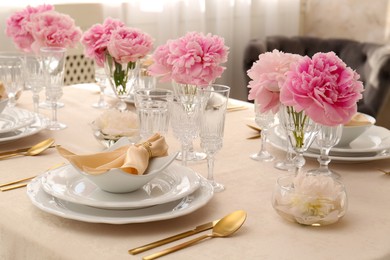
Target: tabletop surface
(27,232)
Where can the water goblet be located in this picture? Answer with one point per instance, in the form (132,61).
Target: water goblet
(153,110)
(101,81)
(34,75)
(192,155)
(288,163)
(265,120)
(212,124)
(53,60)
(185,125)
(145,80)
(328,136)
(11,75)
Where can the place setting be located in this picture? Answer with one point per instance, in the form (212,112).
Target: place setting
(84,191)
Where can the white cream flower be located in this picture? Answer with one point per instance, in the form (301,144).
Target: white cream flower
(115,123)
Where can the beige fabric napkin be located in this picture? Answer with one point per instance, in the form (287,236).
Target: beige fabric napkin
(132,159)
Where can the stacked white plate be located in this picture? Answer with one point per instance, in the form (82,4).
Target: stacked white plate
(374,144)
(16,123)
(175,192)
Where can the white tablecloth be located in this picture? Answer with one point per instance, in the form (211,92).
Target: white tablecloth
(26,232)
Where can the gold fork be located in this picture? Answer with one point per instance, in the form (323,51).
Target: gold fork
(385,172)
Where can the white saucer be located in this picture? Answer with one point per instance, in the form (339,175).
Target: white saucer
(79,212)
(374,140)
(173,183)
(13,118)
(38,125)
(279,143)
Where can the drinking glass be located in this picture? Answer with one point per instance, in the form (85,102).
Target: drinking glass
(145,80)
(53,60)
(288,163)
(185,126)
(11,74)
(153,108)
(265,120)
(35,78)
(328,136)
(101,81)
(212,124)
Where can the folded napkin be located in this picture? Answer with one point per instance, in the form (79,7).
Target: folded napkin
(132,159)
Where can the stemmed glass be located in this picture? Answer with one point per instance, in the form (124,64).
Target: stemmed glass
(301,131)
(185,125)
(34,77)
(53,60)
(11,74)
(101,81)
(288,163)
(327,137)
(212,124)
(265,120)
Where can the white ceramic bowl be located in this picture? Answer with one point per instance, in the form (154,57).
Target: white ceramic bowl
(3,104)
(117,181)
(350,133)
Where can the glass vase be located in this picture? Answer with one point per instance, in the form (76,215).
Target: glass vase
(123,78)
(301,131)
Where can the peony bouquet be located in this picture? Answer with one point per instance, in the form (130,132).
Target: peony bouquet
(193,59)
(42,26)
(117,48)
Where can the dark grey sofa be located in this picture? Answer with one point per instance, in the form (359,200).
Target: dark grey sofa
(370,60)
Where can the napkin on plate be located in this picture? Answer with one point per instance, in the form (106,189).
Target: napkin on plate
(132,159)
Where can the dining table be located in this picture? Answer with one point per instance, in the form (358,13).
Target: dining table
(27,232)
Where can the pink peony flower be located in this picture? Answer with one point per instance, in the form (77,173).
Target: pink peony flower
(129,45)
(192,59)
(53,29)
(324,87)
(268,75)
(16,26)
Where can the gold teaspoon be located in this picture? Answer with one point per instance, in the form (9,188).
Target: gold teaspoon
(34,150)
(225,227)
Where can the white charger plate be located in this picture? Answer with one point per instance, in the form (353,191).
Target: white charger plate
(374,140)
(280,143)
(13,118)
(173,183)
(70,210)
(38,125)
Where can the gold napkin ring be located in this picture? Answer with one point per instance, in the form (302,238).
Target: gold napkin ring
(147,146)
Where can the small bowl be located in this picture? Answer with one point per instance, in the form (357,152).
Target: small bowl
(118,181)
(3,104)
(351,132)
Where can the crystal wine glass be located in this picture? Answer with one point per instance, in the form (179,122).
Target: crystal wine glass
(11,74)
(101,81)
(53,65)
(327,137)
(265,120)
(34,77)
(287,164)
(212,124)
(185,126)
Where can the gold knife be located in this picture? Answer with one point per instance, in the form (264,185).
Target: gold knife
(21,150)
(167,240)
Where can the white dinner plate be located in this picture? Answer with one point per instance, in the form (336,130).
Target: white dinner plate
(70,210)
(375,139)
(13,118)
(280,143)
(173,183)
(38,125)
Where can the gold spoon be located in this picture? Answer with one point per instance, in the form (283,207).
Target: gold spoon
(33,150)
(225,227)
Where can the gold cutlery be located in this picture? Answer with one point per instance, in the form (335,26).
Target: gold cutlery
(236,108)
(31,151)
(385,172)
(254,128)
(225,227)
(167,240)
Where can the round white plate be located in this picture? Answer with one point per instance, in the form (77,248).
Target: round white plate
(280,144)
(173,183)
(375,139)
(37,126)
(13,118)
(79,212)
